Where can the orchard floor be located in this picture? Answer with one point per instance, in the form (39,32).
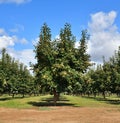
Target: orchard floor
(60,114)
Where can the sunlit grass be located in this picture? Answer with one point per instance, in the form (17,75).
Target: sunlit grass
(92,102)
(43,102)
(18,102)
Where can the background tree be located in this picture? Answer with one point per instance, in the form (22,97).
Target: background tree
(12,75)
(106,78)
(82,56)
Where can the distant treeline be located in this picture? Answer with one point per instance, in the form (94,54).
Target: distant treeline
(15,78)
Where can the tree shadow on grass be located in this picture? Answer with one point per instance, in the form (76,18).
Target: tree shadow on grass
(106,100)
(10,98)
(5,98)
(114,102)
(49,102)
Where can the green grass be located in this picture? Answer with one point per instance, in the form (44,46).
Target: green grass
(93,102)
(18,102)
(44,102)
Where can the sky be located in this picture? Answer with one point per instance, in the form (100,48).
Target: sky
(21,20)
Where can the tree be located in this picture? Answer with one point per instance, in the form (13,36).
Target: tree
(13,75)
(60,66)
(82,56)
(115,72)
(44,58)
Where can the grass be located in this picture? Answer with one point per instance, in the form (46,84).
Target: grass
(18,102)
(44,102)
(93,102)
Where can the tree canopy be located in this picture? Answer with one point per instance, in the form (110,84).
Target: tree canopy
(60,65)
(14,76)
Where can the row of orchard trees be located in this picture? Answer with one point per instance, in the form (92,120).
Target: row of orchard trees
(106,78)
(14,76)
(61,67)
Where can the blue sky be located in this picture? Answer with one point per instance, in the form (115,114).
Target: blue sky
(21,20)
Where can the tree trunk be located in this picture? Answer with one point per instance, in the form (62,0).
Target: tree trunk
(13,94)
(118,94)
(23,95)
(55,97)
(94,95)
(103,94)
(88,94)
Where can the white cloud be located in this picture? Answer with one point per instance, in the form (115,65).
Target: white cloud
(77,44)
(24,56)
(14,1)
(102,21)
(105,37)
(6,41)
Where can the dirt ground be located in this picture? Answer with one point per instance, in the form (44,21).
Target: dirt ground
(60,114)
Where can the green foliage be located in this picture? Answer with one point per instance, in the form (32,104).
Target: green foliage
(106,78)
(14,76)
(82,55)
(60,65)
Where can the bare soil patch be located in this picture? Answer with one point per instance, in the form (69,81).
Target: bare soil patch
(60,114)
